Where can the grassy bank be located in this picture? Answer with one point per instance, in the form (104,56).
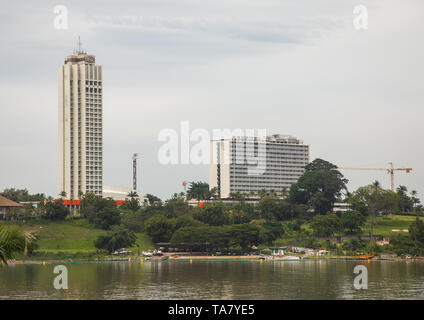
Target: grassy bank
(73,239)
(386,224)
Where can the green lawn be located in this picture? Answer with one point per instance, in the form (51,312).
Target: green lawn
(386,224)
(71,236)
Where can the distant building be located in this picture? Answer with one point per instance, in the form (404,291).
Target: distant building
(120,193)
(6,206)
(341,207)
(285,158)
(278,251)
(80,103)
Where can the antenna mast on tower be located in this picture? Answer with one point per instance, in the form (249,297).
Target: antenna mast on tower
(134,159)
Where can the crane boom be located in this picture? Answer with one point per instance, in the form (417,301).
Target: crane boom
(389,170)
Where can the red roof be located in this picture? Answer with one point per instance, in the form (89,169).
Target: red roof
(77,202)
(6,203)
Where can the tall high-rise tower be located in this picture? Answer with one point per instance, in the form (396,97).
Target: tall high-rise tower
(80,125)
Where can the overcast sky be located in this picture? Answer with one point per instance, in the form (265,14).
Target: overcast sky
(291,67)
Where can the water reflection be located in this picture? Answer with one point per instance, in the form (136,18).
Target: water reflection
(215,280)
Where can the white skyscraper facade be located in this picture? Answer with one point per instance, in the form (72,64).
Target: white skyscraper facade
(80,160)
(284,159)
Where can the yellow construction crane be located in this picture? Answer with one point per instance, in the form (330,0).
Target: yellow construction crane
(389,170)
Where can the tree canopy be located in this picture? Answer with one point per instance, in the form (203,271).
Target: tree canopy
(319,187)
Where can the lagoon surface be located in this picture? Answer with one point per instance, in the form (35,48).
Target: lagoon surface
(323,279)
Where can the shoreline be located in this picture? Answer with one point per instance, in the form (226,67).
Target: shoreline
(188,258)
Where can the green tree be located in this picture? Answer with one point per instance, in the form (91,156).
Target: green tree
(354,245)
(176,206)
(133,220)
(99,211)
(133,203)
(371,199)
(153,199)
(200,238)
(19,195)
(402,244)
(238,196)
(11,241)
(198,190)
(160,228)
(270,207)
(245,235)
(118,238)
(326,225)
(319,187)
(270,231)
(405,202)
(416,233)
(187,221)
(107,217)
(414,199)
(352,221)
(214,214)
(55,211)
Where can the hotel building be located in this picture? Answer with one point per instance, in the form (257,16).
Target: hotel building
(284,159)
(80,163)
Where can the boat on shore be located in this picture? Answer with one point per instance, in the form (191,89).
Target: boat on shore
(361,257)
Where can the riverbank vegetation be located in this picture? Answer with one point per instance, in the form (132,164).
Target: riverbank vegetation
(303,216)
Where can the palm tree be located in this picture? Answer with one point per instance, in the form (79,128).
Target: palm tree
(132,194)
(11,241)
(62,194)
(284,193)
(414,198)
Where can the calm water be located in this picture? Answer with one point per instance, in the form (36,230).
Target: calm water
(215,280)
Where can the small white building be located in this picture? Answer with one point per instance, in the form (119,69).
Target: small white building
(277,251)
(307,251)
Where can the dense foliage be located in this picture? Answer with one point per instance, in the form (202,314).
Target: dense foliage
(11,241)
(319,187)
(102,212)
(55,211)
(119,237)
(302,215)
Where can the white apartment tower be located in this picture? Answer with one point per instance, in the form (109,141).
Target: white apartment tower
(284,159)
(80,126)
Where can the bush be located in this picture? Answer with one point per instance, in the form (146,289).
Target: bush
(107,217)
(271,231)
(217,237)
(55,211)
(159,228)
(214,215)
(133,221)
(354,245)
(352,221)
(119,237)
(99,211)
(327,225)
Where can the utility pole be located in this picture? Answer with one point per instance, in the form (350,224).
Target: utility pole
(134,159)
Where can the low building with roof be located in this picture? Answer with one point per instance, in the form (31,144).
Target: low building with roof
(6,206)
